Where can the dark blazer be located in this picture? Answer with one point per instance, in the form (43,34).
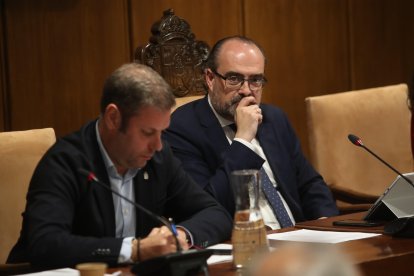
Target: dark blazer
(198,140)
(68,220)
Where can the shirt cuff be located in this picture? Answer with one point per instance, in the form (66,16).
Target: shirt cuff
(190,239)
(126,251)
(244,142)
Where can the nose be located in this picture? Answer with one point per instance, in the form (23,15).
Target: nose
(156,144)
(245,89)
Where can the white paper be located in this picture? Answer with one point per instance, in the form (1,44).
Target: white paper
(215,259)
(305,235)
(60,272)
(221,246)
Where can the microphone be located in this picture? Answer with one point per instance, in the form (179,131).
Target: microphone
(358,142)
(400,227)
(182,262)
(91,177)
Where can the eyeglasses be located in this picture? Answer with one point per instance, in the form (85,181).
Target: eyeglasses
(237,81)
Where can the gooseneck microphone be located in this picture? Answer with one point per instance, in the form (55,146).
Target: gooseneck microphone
(358,142)
(190,262)
(91,177)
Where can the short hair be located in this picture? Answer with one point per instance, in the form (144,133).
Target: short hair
(133,86)
(212,60)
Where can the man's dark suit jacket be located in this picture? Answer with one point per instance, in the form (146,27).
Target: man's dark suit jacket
(68,220)
(196,137)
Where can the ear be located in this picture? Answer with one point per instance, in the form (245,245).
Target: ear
(209,78)
(112,117)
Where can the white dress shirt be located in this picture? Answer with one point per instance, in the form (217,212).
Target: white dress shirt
(265,207)
(125,212)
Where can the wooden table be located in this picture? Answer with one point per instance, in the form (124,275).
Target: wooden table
(382,255)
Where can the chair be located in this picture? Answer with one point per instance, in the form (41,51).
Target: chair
(175,55)
(381,118)
(20,151)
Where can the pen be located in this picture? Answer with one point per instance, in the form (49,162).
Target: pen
(173,228)
(175,233)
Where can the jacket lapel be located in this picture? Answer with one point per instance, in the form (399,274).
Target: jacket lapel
(102,197)
(267,138)
(213,129)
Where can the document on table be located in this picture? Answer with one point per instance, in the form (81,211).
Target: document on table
(305,235)
(215,259)
(63,272)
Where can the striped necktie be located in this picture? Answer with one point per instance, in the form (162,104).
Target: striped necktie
(272,196)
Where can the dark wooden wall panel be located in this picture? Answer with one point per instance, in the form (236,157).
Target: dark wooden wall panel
(3,88)
(307,50)
(209,20)
(59,54)
(382,42)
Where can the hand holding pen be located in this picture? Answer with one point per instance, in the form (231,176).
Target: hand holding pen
(175,233)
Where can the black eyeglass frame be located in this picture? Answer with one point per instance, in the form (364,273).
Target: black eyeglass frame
(240,84)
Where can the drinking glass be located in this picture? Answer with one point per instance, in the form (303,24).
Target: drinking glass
(249,231)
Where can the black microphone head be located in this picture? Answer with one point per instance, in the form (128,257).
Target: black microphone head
(89,175)
(83,172)
(355,140)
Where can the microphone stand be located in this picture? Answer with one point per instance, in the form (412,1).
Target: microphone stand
(358,142)
(180,263)
(168,223)
(388,165)
(400,227)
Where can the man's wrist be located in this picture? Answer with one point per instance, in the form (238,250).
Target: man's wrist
(135,252)
(188,236)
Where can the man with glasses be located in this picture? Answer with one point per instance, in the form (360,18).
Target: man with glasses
(230,129)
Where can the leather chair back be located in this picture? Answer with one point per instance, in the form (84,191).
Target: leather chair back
(20,152)
(380,117)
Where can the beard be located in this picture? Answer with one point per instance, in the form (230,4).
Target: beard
(225,109)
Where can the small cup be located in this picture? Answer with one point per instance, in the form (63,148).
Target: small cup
(92,269)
